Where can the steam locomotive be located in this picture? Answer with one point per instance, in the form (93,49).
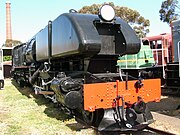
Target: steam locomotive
(73,62)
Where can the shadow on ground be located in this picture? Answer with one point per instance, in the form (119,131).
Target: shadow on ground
(51,110)
(169,105)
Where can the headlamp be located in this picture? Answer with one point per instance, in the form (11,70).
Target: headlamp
(106,13)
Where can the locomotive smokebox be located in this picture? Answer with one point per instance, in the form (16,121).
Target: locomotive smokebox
(67,91)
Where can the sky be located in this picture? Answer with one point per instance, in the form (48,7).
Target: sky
(29,16)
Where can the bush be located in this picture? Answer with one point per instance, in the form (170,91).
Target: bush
(7,58)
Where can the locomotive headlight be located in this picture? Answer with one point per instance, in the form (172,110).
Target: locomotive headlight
(106,13)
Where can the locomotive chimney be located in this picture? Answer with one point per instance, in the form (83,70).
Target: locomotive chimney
(8,21)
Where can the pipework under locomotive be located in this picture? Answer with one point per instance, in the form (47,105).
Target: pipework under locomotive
(73,61)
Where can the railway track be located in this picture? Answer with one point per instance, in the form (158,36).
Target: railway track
(158,131)
(148,130)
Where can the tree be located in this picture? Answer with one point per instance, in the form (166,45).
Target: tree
(10,43)
(168,11)
(132,17)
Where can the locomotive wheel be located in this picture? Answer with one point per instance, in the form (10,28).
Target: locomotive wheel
(93,118)
(88,117)
(98,115)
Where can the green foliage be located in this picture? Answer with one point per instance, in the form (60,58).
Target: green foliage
(7,58)
(168,11)
(10,43)
(133,17)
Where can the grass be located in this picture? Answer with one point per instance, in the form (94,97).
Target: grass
(22,112)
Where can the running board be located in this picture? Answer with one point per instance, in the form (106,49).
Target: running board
(40,90)
(46,92)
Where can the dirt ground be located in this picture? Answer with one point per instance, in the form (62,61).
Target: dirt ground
(166,123)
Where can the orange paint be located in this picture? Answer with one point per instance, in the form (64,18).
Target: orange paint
(101,95)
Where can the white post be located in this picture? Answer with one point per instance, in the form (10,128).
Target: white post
(1,65)
(126,60)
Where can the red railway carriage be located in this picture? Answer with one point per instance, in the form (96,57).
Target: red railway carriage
(162,48)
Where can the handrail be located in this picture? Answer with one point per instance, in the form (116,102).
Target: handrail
(178,45)
(156,52)
(163,63)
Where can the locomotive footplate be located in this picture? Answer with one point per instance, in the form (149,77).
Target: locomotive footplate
(101,95)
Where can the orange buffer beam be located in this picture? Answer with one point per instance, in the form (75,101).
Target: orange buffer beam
(101,95)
